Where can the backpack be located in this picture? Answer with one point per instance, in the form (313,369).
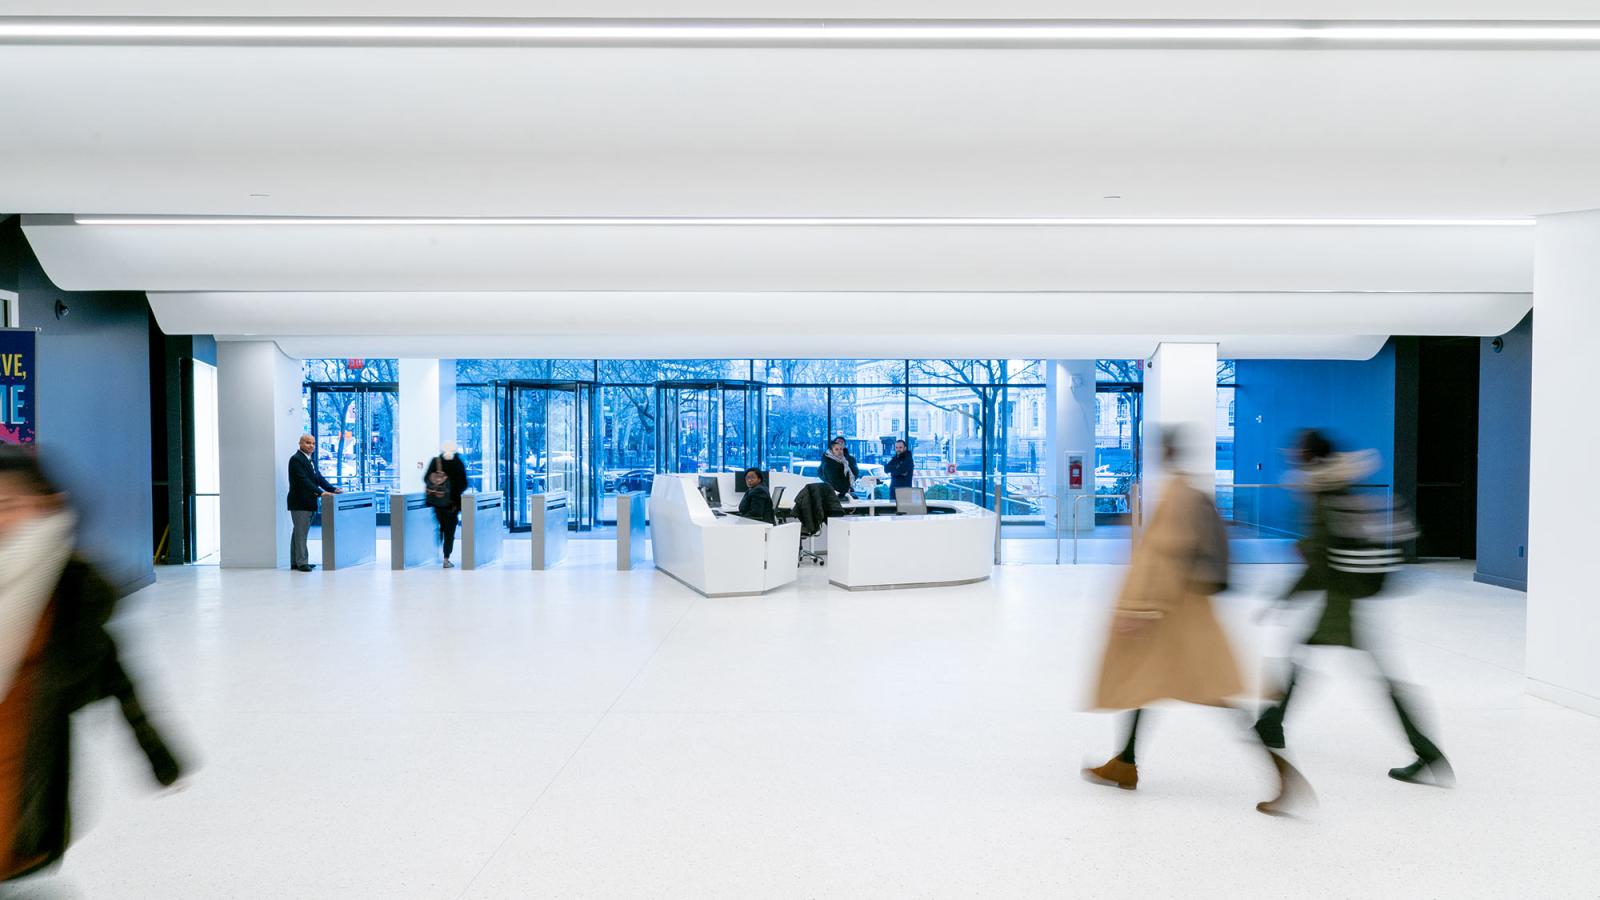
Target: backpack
(438,487)
(1366,534)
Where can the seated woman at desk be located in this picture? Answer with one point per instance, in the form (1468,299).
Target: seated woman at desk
(757,503)
(839,470)
(899,467)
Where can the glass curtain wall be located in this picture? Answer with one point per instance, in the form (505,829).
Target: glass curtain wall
(1119,426)
(973,425)
(350,411)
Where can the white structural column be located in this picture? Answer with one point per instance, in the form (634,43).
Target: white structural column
(1180,391)
(426,416)
(1069,426)
(1563,495)
(260,418)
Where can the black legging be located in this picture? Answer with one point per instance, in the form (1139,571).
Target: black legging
(1270,725)
(447,526)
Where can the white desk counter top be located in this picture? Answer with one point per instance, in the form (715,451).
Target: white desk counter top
(952,544)
(719,556)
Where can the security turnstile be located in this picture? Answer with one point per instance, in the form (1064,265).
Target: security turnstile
(349,529)
(631,529)
(548,514)
(483,528)
(413,531)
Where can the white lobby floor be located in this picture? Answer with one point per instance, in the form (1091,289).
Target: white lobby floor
(588,733)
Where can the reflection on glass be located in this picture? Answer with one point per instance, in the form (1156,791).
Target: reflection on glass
(1117,425)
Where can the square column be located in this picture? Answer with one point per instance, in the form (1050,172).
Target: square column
(1180,391)
(1563,495)
(260,417)
(1069,429)
(425,417)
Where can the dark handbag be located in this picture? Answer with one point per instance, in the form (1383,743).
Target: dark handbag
(439,490)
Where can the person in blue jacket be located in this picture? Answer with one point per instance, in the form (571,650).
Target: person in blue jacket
(899,467)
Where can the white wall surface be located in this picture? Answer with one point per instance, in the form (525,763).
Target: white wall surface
(1180,391)
(1563,492)
(260,419)
(419,424)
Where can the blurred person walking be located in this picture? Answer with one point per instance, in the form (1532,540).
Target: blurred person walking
(445,482)
(1349,547)
(55,657)
(1165,641)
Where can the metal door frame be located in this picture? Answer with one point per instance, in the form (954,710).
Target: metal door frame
(361,389)
(584,499)
(667,421)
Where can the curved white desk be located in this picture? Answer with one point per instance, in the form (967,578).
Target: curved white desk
(719,556)
(883,551)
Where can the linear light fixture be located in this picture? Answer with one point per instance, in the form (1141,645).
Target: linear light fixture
(780,222)
(800,33)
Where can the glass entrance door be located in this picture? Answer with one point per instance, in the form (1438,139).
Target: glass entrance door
(1118,439)
(709,426)
(546,446)
(354,427)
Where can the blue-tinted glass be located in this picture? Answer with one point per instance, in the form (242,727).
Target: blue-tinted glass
(1126,370)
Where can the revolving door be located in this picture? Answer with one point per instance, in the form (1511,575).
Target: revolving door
(709,426)
(545,445)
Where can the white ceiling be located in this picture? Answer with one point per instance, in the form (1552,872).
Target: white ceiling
(926,9)
(774,133)
(679,258)
(841,324)
(668,132)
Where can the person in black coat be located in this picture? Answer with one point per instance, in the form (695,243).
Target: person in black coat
(839,470)
(899,467)
(445,481)
(306,485)
(756,503)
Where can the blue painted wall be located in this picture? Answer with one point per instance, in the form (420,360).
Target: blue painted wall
(1505,391)
(94,408)
(1352,401)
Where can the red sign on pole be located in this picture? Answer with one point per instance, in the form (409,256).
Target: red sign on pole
(950,468)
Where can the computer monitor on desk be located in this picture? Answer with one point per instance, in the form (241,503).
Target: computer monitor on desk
(710,491)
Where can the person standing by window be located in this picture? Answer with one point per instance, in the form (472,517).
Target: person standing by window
(838,469)
(306,486)
(900,466)
(445,482)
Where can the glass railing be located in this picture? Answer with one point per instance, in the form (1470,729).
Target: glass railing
(1279,510)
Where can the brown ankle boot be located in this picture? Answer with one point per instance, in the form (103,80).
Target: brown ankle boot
(1115,772)
(1294,792)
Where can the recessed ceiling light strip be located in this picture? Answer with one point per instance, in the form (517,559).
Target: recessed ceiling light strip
(800,33)
(797,222)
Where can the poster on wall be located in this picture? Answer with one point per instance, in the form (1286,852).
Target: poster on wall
(17,387)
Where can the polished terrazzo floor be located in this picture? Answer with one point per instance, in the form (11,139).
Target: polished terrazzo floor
(588,733)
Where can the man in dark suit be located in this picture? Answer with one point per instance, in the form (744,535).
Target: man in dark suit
(306,487)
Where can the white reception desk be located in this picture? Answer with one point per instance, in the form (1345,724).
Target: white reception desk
(953,544)
(719,556)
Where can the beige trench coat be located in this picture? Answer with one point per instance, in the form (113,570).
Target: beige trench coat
(1179,651)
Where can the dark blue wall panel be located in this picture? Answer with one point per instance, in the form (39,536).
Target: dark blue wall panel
(1352,401)
(1505,392)
(94,408)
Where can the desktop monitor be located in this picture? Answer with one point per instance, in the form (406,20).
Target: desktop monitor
(709,490)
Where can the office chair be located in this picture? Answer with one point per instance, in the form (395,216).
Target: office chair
(910,501)
(778,512)
(819,498)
